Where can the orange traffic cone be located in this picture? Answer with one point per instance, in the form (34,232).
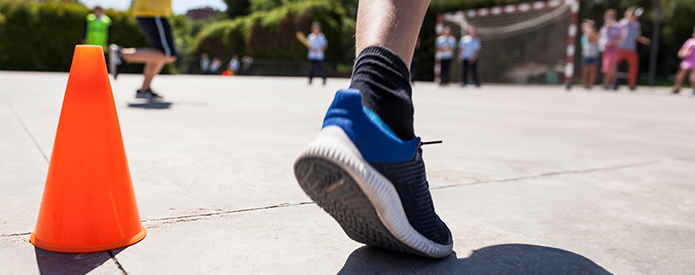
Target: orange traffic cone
(88,202)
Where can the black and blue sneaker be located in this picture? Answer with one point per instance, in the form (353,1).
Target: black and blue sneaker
(373,183)
(147,94)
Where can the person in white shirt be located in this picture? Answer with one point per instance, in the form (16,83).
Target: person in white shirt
(317,45)
(445,45)
(215,66)
(469,47)
(234,64)
(204,63)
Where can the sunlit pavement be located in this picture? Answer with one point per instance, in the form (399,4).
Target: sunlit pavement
(530,179)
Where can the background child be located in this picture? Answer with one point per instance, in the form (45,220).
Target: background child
(445,44)
(469,47)
(317,45)
(97,29)
(687,53)
(204,63)
(590,49)
(215,66)
(234,64)
(631,33)
(610,36)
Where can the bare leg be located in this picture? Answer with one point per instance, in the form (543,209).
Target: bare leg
(151,69)
(593,69)
(145,55)
(680,76)
(154,61)
(607,76)
(387,30)
(610,76)
(692,79)
(391,24)
(585,74)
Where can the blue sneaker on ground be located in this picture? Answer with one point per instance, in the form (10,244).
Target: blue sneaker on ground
(371,182)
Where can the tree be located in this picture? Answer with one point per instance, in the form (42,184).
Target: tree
(237,8)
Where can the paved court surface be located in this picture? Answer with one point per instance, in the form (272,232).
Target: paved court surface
(529,179)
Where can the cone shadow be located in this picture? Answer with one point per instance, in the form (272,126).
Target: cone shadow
(497,259)
(70,263)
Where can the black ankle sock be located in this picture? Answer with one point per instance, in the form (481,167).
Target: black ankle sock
(384,81)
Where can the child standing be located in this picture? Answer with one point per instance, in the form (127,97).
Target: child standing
(631,33)
(687,53)
(204,63)
(610,37)
(589,53)
(445,46)
(215,66)
(469,47)
(234,64)
(97,29)
(317,45)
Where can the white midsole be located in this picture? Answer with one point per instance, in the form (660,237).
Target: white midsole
(334,145)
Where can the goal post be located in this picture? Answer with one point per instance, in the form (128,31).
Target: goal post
(527,43)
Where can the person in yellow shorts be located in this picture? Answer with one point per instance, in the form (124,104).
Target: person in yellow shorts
(152,17)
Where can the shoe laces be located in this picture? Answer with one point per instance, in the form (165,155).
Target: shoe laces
(431,142)
(419,148)
(152,92)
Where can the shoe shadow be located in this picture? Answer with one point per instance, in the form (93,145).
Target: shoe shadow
(71,263)
(151,104)
(497,259)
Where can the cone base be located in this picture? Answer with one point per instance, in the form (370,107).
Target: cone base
(87,248)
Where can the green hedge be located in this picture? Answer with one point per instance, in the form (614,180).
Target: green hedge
(41,36)
(271,34)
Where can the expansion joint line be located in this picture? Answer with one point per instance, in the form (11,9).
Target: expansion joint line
(16,234)
(557,173)
(113,257)
(194,217)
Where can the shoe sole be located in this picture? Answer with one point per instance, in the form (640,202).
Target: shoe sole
(152,98)
(366,205)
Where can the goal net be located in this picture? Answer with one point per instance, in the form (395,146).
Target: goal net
(529,43)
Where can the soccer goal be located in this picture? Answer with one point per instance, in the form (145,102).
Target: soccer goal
(528,43)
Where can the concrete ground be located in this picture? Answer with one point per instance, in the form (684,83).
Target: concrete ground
(530,179)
